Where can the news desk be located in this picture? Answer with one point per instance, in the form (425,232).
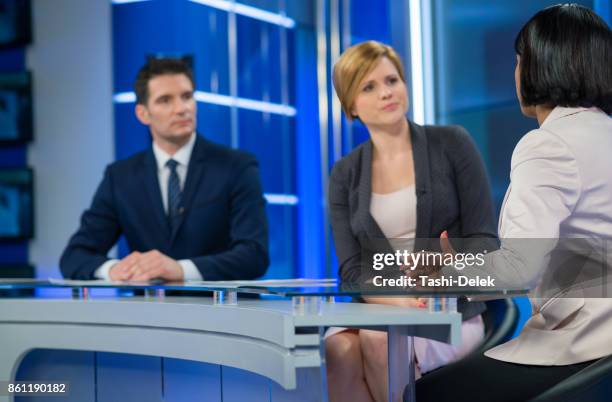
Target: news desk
(160,348)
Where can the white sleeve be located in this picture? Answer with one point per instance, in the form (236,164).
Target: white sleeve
(103,271)
(190,271)
(544,189)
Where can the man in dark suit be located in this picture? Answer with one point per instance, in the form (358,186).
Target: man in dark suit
(189,209)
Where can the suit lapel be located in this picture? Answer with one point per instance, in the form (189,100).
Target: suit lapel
(192,181)
(149,177)
(422,174)
(365,194)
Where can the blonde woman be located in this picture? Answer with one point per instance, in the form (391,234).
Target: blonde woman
(406,182)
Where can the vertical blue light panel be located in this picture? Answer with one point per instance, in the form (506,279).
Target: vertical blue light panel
(310,210)
(281,219)
(171,28)
(214,123)
(270,138)
(259,60)
(370,20)
(131,136)
(140,29)
(604,9)
(204,33)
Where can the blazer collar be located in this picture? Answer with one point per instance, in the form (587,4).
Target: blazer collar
(560,112)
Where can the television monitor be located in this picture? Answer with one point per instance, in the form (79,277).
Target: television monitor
(15,107)
(16,203)
(15,23)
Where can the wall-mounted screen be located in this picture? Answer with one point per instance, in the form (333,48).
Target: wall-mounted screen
(15,23)
(16,203)
(15,107)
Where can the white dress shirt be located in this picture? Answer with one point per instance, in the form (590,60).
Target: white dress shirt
(182,156)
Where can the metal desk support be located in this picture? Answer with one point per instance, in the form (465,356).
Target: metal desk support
(80,293)
(225,297)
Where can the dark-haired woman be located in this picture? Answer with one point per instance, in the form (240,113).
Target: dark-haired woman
(561,188)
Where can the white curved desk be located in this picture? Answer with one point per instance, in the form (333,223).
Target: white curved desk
(260,336)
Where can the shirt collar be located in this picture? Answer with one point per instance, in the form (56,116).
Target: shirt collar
(560,111)
(182,156)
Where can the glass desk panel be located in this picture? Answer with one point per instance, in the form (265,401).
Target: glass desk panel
(281,288)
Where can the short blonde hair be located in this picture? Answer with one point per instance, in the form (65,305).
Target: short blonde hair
(354,64)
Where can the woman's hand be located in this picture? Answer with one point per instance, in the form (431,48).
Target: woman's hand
(416,302)
(445,244)
(412,302)
(429,264)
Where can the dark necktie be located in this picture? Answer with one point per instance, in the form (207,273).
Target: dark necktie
(174,193)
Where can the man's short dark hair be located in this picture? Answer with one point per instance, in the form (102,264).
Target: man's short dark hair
(156,67)
(565,58)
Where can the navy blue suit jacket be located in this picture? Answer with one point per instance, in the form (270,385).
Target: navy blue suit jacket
(223,228)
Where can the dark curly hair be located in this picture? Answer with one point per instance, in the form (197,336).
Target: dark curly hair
(566,58)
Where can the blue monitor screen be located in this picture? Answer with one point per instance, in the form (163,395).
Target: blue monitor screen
(16,204)
(15,23)
(15,107)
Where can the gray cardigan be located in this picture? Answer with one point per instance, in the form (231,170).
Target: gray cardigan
(452,192)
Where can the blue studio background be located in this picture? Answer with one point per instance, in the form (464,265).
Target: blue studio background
(263,84)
